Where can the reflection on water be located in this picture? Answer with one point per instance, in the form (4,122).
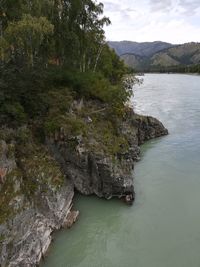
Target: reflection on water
(162,228)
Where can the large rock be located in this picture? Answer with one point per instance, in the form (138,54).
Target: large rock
(94,171)
(29,234)
(36,199)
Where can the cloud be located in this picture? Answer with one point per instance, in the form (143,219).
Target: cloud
(190,7)
(112,7)
(158,5)
(118,8)
(175,21)
(130,9)
(118,12)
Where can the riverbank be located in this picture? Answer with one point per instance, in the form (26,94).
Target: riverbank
(162,227)
(38,181)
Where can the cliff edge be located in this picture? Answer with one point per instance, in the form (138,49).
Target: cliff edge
(91,151)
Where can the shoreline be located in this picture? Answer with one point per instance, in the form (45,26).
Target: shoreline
(63,165)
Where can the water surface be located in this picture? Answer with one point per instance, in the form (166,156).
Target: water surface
(162,228)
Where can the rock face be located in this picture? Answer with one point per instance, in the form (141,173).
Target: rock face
(94,172)
(28,234)
(36,196)
(149,128)
(6,164)
(36,199)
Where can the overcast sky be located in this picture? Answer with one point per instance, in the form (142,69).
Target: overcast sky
(174,21)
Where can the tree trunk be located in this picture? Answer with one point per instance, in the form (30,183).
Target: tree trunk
(98,57)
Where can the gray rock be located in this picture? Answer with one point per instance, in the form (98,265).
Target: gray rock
(26,236)
(29,234)
(94,172)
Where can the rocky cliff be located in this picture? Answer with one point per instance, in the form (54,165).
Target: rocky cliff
(37,181)
(92,170)
(36,199)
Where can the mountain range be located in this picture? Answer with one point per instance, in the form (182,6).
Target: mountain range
(157,56)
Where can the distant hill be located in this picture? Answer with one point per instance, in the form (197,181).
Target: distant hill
(185,54)
(141,49)
(144,58)
(137,62)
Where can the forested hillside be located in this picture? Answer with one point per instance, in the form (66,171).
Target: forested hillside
(144,49)
(52,43)
(181,58)
(159,56)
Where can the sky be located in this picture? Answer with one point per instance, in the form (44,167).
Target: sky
(173,21)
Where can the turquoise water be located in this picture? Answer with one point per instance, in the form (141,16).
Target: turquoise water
(162,228)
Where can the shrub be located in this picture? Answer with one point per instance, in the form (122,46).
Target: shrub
(13,112)
(72,126)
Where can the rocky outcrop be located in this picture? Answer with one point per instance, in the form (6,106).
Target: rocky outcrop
(71,219)
(36,199)
(28,235)
(94,171)
(37,193)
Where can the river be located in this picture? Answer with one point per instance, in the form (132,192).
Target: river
(162,228)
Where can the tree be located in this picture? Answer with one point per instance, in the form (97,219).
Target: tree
(91,33)
(26,36)
(110,65)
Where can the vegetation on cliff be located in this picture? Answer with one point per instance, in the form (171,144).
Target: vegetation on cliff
(52,49)
(64,122)
(53,57)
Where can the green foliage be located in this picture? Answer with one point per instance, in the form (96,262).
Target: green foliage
(111,66)
(72,126)
(22,95)
(91,86)
(27,35)
(53,52)
(40,172)
(105,132)
(59,32)
(14,112)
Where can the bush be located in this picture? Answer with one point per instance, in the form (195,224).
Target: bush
(13,112)
(89,85)
(72,126)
